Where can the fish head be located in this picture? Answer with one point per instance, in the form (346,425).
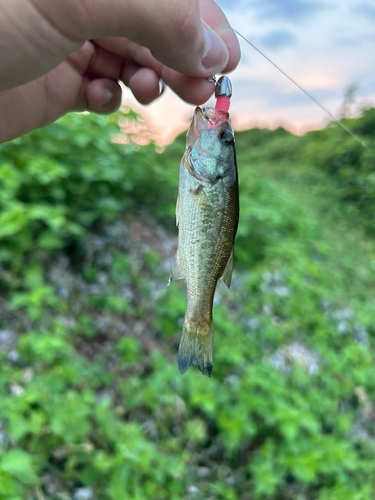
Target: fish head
(210,146)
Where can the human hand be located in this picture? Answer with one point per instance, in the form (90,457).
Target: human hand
(67,55)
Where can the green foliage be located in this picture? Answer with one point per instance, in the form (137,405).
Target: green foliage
(62,180)
(351,164)
(90,394)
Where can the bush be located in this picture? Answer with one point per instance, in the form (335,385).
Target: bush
(91,401)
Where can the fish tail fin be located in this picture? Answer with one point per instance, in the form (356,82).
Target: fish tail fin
(197,346)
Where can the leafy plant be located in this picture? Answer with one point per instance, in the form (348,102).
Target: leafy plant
(90,396)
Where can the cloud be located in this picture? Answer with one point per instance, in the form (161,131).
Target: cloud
(276,95)
(290,10)
(296,98)
(365,9)
(346,41)
(354,42)
(277,39)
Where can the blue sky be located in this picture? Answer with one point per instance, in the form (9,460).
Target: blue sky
(325,45)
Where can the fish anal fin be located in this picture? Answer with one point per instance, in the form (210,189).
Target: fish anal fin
(176,273)
(227,274)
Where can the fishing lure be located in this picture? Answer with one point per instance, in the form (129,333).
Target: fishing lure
(207,215)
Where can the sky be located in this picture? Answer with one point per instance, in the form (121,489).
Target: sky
(324,45)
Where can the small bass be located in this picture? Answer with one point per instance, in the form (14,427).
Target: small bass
(207,215)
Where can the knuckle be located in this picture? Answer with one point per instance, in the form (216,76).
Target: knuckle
(132,50)
(185,22)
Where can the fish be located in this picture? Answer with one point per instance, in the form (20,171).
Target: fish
(207,214)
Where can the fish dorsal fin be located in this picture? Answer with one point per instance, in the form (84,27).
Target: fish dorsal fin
(227,274)
(176,273)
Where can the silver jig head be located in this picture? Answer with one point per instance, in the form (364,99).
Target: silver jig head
(223,87)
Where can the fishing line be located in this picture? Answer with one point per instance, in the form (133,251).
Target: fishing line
(339,122)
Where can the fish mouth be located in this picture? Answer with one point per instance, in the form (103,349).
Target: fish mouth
(205,118)
(199,119)
(215,116)
(198,123)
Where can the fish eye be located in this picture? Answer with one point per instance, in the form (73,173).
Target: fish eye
(226,137)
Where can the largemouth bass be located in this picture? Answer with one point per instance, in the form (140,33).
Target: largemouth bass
(207,214)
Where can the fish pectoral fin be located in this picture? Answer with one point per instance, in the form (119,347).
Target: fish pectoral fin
(227,274)
(178,209)
(209,201)
(176,273)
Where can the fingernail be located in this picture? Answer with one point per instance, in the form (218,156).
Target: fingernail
(162,87)
(216,54)
(107,97)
